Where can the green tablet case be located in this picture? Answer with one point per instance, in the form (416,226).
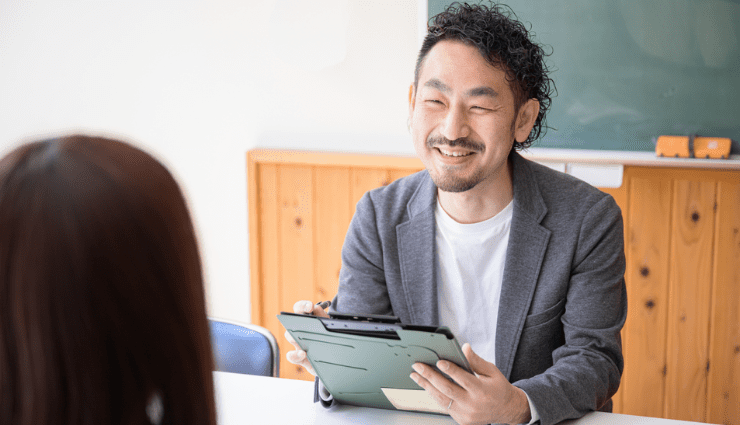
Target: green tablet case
(355,367)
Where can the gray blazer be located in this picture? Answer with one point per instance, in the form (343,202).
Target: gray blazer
(563,300)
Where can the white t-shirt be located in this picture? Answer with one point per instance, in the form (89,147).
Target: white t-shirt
(471,270)
(471,260)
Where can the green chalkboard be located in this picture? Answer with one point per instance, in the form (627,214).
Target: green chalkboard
(628,71)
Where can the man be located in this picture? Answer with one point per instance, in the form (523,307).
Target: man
(524,264)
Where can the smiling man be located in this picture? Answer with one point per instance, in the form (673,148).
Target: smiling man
(524,264)
(464,117)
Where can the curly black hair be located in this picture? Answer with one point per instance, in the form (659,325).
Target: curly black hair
(504,42)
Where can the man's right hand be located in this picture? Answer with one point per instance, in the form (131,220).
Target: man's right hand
(298,356)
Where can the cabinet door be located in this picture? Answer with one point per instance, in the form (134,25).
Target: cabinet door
(723,394)
(682,336)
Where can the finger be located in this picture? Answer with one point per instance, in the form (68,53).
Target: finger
(441,399)
(436,379)
(462,377)
(298,357)
(303,307)
(478,364)
(318,311)
(290,339)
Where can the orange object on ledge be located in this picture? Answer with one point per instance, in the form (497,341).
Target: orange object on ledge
(693,147)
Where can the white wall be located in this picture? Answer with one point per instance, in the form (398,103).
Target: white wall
(198,83)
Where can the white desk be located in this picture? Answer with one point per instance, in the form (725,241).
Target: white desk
(246,399)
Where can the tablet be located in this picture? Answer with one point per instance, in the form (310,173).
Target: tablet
(365,360)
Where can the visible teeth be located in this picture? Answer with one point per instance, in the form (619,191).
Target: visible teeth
(448,153)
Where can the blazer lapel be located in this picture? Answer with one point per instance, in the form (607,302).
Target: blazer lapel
(416,251)
(526,251)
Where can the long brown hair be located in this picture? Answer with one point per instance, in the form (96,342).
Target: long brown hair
(101,289)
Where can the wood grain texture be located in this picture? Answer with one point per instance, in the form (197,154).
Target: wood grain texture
(689,291)
(253,206)
(394,175)
(364,179)
(269,250)
(295,226)
(332,217)
(647,291)
(724,349)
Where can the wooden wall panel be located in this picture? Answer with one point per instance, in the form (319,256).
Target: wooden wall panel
(295,227)
(647,291)
(269,264)
(394,175)
(724,350)
(332,217)
(690,289)
(364,179)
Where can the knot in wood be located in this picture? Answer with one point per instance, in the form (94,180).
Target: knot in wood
(695,216)
(644,271)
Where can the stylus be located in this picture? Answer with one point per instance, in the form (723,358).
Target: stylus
(324,304)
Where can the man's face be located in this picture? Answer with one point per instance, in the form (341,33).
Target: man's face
(462,118)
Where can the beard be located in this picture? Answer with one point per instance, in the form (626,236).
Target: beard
(450,181)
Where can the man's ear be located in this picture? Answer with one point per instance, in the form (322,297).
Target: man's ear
(525,119)
(412,104)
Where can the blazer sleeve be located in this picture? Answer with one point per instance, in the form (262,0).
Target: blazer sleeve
(362,280)
(587,369)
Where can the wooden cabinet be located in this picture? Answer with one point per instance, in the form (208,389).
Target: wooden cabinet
(682,241)
(682,336)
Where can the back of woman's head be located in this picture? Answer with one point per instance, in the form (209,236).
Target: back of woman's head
(101,294)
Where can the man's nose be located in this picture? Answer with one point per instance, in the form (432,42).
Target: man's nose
(455,124)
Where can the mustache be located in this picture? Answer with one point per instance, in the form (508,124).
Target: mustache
(434,141)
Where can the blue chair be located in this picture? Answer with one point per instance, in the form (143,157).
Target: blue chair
(243,348)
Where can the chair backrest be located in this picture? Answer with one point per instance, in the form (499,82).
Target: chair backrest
(244,348)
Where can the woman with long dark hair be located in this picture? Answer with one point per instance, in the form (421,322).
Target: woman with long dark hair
(102,311)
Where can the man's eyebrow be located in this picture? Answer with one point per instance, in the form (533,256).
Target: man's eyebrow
(476,92)
(482,91)
(436,84)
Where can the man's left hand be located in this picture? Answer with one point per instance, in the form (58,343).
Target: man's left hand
(481,398)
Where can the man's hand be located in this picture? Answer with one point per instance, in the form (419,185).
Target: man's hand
(298,356)
(483,398)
